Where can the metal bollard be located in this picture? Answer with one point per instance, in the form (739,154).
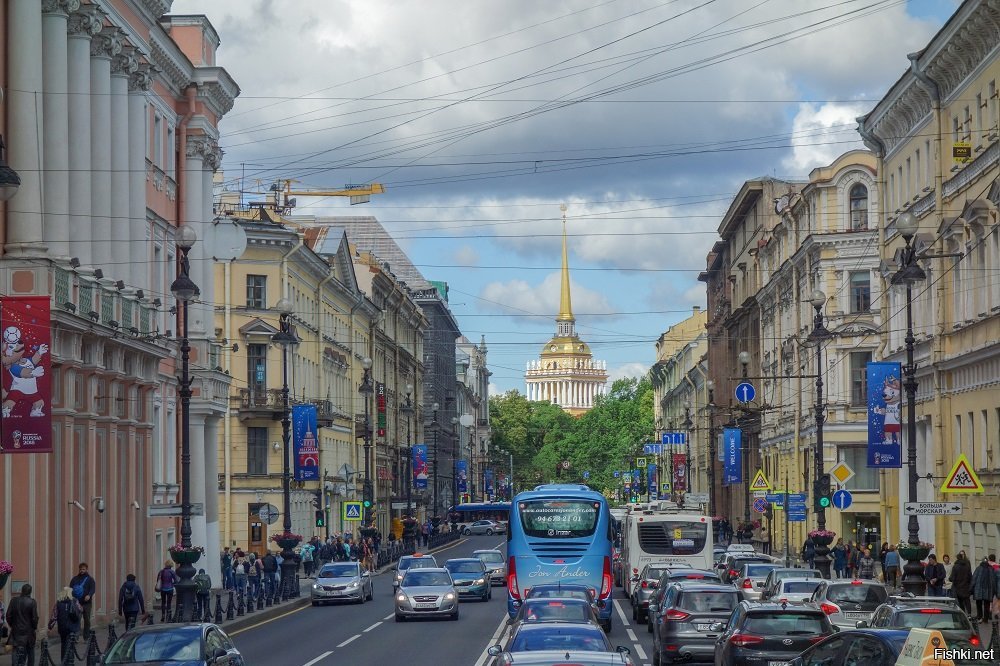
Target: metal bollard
(46,658)
(93,651)
(995,638)
(231,607)
(239,605)
(260,598)
(112,636)
(297,591)
(218,608)
(149,620)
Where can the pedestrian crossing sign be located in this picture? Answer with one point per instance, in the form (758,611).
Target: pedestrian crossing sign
(961,478)
(760,481)
(351,511)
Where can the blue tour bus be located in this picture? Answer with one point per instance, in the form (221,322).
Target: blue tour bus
(560,534)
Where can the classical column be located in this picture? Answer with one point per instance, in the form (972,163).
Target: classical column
(122,66)
(55,51)
(212,538)
(139,83)
(194,155)
(25,127)
(198,531)
(212,161)
(83,25)
(103,47)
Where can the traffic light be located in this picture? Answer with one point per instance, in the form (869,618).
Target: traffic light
(369,494)
(821,493)
(320,518)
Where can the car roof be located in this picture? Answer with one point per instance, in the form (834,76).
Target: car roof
(434,569)
(757,607)
(690,572)
(564,624)
(804,579)
(487,550)
(164,627)
(698,586)
(463,559)
(561,586)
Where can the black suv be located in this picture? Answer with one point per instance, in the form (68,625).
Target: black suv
(910,612)
(682,626)
(768,633)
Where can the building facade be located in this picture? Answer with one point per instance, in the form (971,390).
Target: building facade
(111,121)
(566,373)
(474,406)
(935,134)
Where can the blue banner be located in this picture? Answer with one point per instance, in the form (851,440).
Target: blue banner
(306,448)
(488,482)
(462,470)
(651,480)
(420,471)
(733,463)
(885,398)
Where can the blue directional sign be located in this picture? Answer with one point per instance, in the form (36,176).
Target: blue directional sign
(674,438)
(797,497)
(652,449)
(842,499)
(617,474)
(745,392)
(586,475)
(775,497)
(796,517)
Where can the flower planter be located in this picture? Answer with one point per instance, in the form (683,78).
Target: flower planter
(287,544)
(822,540)
(913,553)
(185,556)
(3,580)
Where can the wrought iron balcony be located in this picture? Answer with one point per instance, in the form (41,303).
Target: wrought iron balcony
(266,404)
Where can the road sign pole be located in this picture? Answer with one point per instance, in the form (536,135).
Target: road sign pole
(788,535)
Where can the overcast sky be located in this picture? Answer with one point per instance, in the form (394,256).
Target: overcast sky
(481,117)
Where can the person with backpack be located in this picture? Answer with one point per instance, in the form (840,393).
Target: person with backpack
(226,561)
(130,601)
(253,575)
(65,618)
(307,559)
(84,586)
(165,581)
(204,592)
(240,567)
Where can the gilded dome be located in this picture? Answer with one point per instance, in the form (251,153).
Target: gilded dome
(564,346)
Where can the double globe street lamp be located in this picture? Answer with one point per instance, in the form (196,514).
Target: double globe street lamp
(286,339)
(821,481)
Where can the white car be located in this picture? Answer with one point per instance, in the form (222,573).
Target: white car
(795,590)
(490,527)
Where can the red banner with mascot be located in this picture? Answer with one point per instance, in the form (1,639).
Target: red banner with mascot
(26,423)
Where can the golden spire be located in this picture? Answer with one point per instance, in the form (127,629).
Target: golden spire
(565,303)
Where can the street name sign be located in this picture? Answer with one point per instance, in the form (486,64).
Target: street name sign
(745,392)
(696,498)
(171,510)
(932,508)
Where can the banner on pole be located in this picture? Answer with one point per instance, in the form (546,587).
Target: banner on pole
(304,442)
(884,409)
(733,462)
(651,479)
(27,385)
(462,470)
(420,466)
(488,482)
(680,472)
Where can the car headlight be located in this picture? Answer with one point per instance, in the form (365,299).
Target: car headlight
(449,596)
(480,581)
(317,586)
(401,598)
(399,576)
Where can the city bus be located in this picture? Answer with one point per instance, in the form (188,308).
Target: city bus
(655,534)
(470,512)
(560,533)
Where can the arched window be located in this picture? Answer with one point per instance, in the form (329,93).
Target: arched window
(859,207)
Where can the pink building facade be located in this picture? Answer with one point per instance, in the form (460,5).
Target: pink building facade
(110,116)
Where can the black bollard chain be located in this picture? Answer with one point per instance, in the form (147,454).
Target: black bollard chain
(46,658)
(218,608)
(93,650)
(231,607)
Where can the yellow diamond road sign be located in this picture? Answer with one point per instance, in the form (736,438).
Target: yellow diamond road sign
(962,478)
(760,481)
(842,473)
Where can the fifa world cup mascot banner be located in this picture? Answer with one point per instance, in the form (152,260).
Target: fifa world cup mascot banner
(26,375)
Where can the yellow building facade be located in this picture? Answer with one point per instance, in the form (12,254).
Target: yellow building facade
(936,135)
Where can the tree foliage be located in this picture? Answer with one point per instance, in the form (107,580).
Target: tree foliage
(541,435)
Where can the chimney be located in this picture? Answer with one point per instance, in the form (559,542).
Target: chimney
(696,308)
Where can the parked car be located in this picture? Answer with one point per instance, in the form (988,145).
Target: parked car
(470,577)
(682,626)
(426,593)
(795,590)
(848,602)
(197,644)
(771,634)
(342,581)
(645,583)
(867,647)
(484,527)
(495,562)
(939,613)
(776,575)
(750,581)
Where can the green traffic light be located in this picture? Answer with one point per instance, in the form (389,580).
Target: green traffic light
(367,504)
(824,502)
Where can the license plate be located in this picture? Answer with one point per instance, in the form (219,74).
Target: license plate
(703,627)
(857,616)
(422,606)
(777,663)
(336,593)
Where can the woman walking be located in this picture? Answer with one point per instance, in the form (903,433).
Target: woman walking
(984,589)
(165,581)
(961,582)
(65,618)
(891,567)
(840,559)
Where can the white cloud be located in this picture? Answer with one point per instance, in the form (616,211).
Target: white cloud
(495,390)
(516,297)
(466,256)
(821,133)
(637,370)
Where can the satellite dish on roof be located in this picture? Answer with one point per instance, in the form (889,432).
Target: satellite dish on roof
(228,239)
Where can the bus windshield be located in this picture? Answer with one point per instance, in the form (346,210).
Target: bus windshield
(558,518)
(672,538)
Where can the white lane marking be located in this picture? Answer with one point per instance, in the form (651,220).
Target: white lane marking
(484,657)
(640,652)
(621,613)
(372,627)
(389,616)
(349,640)
(319,658)
(631,634)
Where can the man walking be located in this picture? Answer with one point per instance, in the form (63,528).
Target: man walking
(84,586)
(204,592)
(22,618)
(270,565)
(226,561)
(130,602)
(934,575)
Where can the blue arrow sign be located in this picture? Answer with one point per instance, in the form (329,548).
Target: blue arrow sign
(745,392)
(842,499)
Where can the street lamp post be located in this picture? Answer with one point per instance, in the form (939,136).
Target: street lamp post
(908,273)
(286,339)
(744,359)
(407,409)
(435,407)
(689,427)
(817,336)
(185,290)
(454,460)
(712,509)
(366,389)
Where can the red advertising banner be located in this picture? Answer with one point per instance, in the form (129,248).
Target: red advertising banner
(25,425)
(680,472)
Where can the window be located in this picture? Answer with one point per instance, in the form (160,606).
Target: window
(967,125)
(956,126)
(257,292)
(169,157)
(859,207)
(861,291)
(979,114)
(918,172)
(257,451)
(992,120)
(865,477)
(157,140)
(257,373)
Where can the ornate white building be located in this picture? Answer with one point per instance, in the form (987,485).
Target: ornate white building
(566,374)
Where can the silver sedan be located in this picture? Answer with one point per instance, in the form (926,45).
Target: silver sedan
(426,593)
(343,581)
(484,527)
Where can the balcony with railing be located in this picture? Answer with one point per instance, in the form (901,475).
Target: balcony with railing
(259,404)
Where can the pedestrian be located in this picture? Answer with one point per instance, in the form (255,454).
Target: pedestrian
(84,586)
(948,566)
(240,567)
(22,618)
(165,581)
(854,559)
(984,590)
(809,552)
(891,567)
(131,603)
(961,582)
(254,570)
(881,558)
(866,566)
(307,560)
(204,593)
(226,560)
(840,559)
(65,618)
(934,575)
(269,565)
